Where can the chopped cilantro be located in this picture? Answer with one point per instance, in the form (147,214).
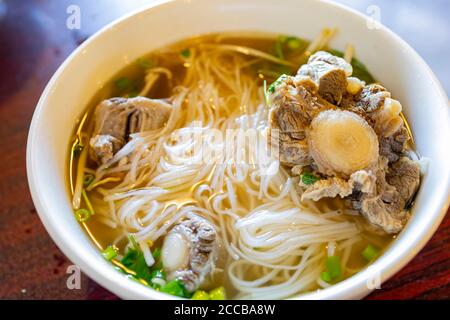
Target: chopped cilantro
(134,260)
(359,69)
(123,83)
(145,63)
(156,253)
(185,53)
(308,178)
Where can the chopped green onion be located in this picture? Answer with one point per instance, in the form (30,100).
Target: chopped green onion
(145,63)
(185,53)
(308,178)
(156,253)
(123,83)
(279,49)
(200,295)
(287,42)
(370,253)
(293,43)
(86,200)
(333,269)
(325,276)
(333,265)
(87,179)
(217,294)
(109,253)
(175,288)
(82,215)
(276,83)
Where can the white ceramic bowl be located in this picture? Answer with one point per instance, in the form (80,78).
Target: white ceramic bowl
(388,57)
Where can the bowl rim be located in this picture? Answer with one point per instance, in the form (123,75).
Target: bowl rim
(351,288)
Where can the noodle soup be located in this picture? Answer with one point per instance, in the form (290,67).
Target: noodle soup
(190,181)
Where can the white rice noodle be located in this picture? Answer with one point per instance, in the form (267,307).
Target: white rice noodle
(288,242)
(149,260)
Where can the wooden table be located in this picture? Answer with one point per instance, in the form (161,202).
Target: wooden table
(34,41)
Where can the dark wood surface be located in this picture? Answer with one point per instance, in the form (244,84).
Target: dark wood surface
(33,43)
